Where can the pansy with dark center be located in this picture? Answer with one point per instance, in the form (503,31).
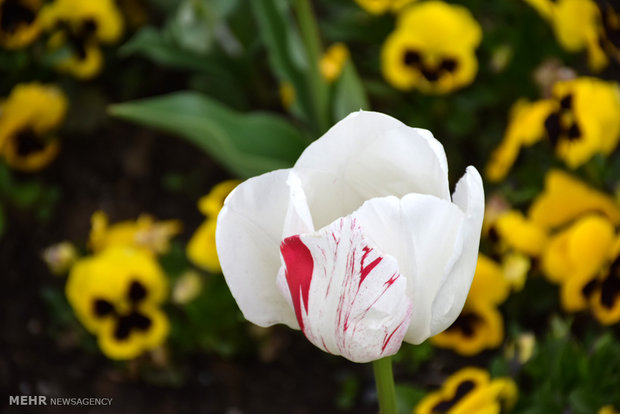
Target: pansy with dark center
(78,38)
(470,390)
(463,389)
(432,48)
(13,14)
(467,323)
(561,125)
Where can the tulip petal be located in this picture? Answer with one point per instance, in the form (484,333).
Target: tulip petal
(424,233)
(249,231)
(349,298)
(369,155)
(469,196)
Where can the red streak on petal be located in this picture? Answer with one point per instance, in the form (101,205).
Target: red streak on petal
(386,341)
(299,267)
(368,269)
(393,279)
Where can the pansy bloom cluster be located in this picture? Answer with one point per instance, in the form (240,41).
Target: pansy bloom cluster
(580,119)
(117,292)
(583,254)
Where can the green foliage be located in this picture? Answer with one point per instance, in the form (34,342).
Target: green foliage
(230,137)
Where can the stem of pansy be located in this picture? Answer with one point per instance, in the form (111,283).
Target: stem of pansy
(312,42)
(384,378)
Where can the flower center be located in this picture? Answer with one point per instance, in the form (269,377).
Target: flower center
(467,322)
(444,406)
(562,123)
(125,323)
(609,286)
(137,292)
(103,308)
(77,38)
(13,14)
(28,143)
(413,59)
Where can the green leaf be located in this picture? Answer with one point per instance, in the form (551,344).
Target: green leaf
(282,41)
(152,44)
(407,398)
(246,144)
(349,94)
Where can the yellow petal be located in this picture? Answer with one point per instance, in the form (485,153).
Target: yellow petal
(566,198)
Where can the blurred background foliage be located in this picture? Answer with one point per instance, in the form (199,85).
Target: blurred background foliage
(166,98)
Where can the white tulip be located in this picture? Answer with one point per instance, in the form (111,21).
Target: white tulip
(359,245)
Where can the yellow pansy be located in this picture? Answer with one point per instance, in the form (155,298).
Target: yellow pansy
(581,119)
(382,6)
(81,26)
(586,120)
(579,249)
(145,233)
(599,291)
(333,61)
(521,234)
(470,390)
(585,260)
(526,126)
(201,247)
(565,198)
(116,295)
(432,48)
(480,325)
(19,24)
(28,119)
(577,26)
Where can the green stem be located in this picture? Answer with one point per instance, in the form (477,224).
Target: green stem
(385,385)
(312,42)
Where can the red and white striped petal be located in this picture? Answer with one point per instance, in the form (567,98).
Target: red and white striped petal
(349,298)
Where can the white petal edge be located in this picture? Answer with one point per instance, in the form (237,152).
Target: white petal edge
(424,233)
(368,155)
(469,196)
(248,235)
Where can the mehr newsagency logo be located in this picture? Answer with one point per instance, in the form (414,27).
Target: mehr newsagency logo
(66,401)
